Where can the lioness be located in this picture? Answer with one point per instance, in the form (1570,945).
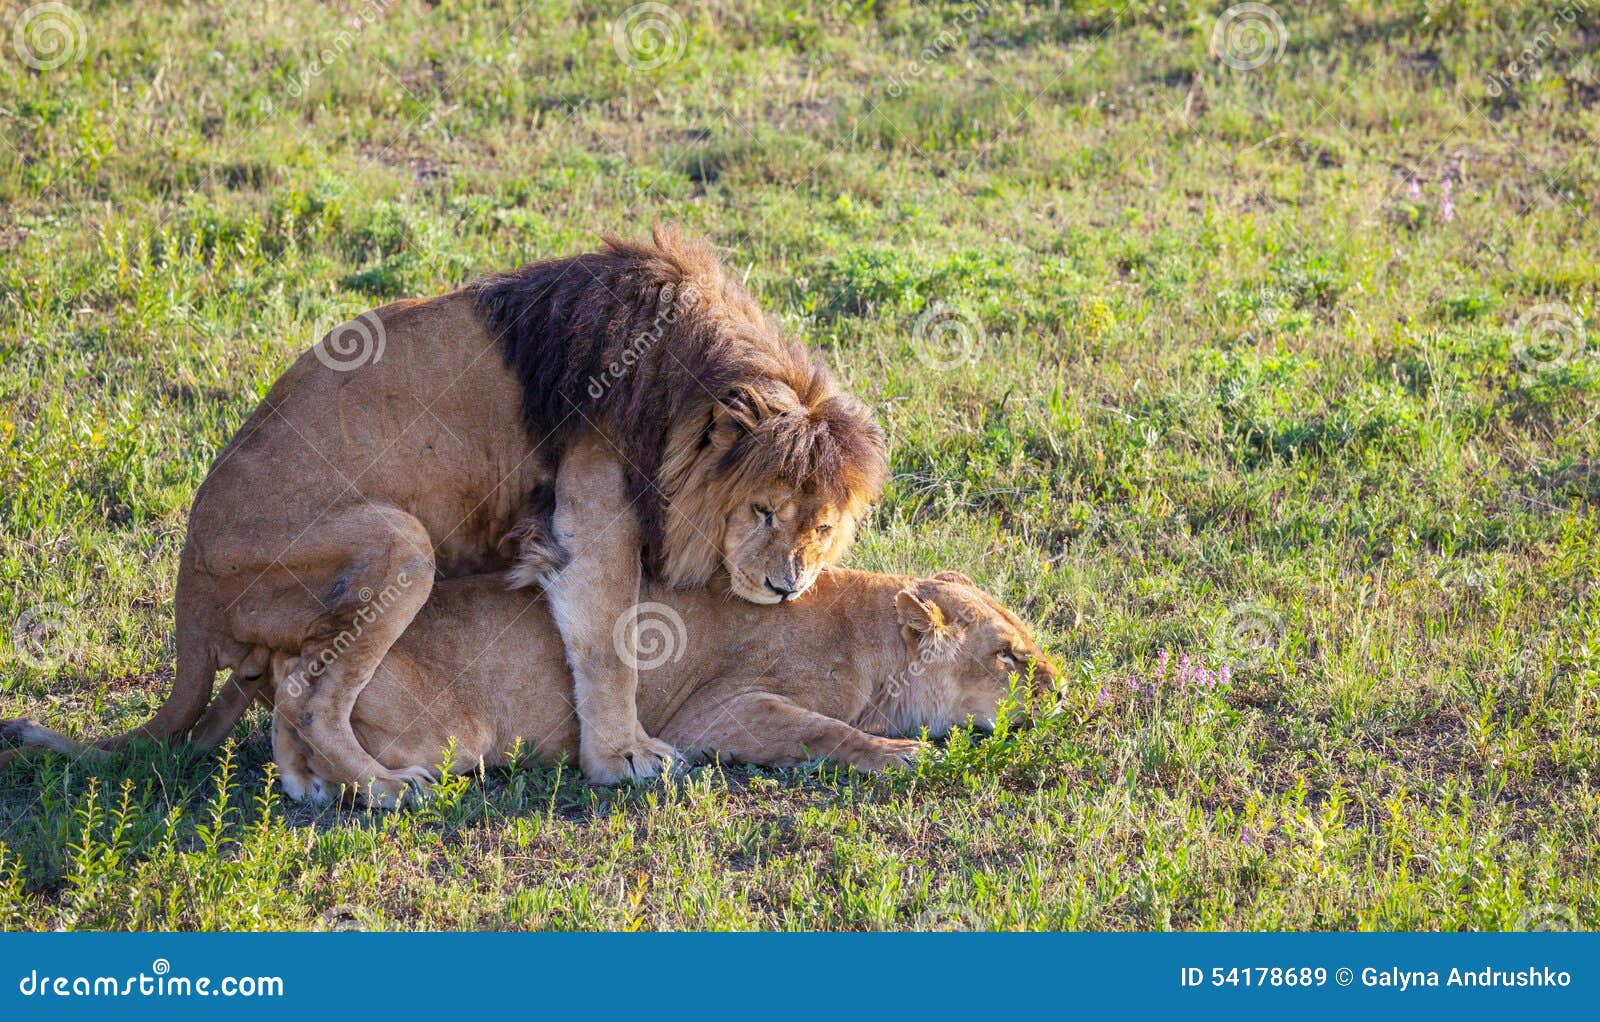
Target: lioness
(682,432)
(850,673)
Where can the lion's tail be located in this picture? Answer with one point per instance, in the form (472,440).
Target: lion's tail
(30,735)
(198,663)
(219,719)
(191,689)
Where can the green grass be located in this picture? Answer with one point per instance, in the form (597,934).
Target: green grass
(1172,356)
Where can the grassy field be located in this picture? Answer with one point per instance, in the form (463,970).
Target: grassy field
(1265,339)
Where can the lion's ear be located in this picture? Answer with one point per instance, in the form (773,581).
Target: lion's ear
(737,411)
(921,616)
(957,577)
(740,408)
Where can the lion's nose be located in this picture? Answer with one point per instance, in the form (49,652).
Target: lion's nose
(785,590)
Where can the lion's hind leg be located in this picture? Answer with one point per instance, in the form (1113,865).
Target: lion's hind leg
(370,569)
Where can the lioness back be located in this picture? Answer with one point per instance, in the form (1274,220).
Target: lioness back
(485,665)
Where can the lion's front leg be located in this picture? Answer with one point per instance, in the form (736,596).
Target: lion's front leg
(593,598)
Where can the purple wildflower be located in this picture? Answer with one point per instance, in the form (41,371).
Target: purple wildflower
(1414,189)
(1104,698)
(1447,204)
(1184,676)
(1162,661)
(1225,680)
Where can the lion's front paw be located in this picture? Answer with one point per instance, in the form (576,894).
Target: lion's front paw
(302,786)
(886,753)
(396,788)
(640,760)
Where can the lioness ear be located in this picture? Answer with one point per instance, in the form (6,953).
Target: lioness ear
(955,576)
(921,616)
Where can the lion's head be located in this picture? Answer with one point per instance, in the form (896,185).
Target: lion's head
(742,453)
(963,653)
(771,487)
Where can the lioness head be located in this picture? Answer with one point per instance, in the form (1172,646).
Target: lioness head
(963,650)
(771,488)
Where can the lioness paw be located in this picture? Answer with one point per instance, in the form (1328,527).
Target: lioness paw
(305,787)
(886,753)
(645,758)
(395,788)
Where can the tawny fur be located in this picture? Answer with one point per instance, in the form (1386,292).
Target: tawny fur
(322,525)
(853,672)
(848,673)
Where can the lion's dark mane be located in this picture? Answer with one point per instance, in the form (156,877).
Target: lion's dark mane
(640,336)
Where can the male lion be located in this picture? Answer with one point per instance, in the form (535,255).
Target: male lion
(851,673)
(680,429)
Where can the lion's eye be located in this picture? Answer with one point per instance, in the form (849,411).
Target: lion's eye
(764,513)
(1007,658)
(824,529)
